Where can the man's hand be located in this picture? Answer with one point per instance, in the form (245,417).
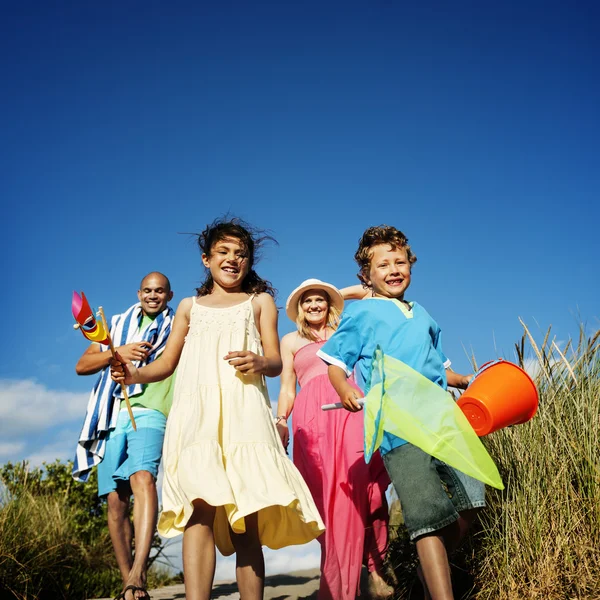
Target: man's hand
(247,362)
(134,351)
(349,397)
(121,372)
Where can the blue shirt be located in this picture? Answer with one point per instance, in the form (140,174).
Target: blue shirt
(411,336)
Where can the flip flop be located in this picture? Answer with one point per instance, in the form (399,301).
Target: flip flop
(133,589)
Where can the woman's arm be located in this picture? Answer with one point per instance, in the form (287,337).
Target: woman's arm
(169,359)
(287,389)
(355,292)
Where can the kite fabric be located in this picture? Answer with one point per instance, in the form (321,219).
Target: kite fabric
(404,403)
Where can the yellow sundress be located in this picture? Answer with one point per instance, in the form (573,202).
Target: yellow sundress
(221,444)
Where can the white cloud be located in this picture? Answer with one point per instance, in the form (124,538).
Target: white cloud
(10,449)
(62,448)
(28,407)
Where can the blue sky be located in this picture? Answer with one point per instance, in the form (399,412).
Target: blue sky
(471,126)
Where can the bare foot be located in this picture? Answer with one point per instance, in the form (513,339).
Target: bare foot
(426,594)
(135,589)
(377,588)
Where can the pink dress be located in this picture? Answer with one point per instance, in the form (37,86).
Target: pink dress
(350,495)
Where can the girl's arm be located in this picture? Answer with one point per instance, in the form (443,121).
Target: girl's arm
(269,364)
(348,395)
(456,380)
(167,363)
(354,292)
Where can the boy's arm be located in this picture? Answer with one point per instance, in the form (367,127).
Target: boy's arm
(456,380)
(348,395)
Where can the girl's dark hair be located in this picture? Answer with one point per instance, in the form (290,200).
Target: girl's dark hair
(250,238)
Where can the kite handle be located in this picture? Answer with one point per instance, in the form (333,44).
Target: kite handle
(112,350)
(337,405)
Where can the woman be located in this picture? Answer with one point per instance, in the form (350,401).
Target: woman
(328,451)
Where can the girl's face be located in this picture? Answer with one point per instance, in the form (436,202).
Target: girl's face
(228,263)
(389,271)
(315,305)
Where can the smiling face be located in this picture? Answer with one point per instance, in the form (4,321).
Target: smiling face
(228,263)
(154,294)
(389,271)
(314,305)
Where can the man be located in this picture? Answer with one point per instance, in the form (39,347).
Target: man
(127,459)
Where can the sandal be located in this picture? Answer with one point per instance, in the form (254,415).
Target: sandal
(133,589)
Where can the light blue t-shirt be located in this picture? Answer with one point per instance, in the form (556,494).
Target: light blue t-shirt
(411,336)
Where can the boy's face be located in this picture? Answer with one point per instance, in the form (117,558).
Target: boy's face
(389,271)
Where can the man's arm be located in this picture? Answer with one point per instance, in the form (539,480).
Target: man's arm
(94,359)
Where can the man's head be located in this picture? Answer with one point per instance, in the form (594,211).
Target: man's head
(154,293)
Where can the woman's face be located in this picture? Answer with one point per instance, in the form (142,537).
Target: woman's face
(315,305)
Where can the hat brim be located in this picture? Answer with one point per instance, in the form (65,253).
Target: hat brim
(335,297)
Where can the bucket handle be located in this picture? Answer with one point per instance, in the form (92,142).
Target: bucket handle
(484,367)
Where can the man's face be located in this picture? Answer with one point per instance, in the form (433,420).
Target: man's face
(154,295)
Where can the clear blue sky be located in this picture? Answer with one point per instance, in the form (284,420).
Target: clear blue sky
(471,126)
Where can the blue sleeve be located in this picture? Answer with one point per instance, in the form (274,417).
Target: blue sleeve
(343,349)
(437,343)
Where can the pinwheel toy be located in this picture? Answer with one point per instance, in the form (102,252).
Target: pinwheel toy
(96,331)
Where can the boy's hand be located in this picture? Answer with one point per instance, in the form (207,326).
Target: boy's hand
(466,380)
(349,398)
(247,362)
(121,372)
(134,351)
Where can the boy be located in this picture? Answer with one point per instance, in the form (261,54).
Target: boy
(436,519)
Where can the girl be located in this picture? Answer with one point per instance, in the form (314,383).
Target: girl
(328,451)
(227,478)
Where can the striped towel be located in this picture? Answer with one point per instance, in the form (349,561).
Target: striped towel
(104,403)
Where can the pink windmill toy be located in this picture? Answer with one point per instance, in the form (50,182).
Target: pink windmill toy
(96,331)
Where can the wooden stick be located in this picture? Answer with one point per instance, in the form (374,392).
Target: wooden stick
(112,349)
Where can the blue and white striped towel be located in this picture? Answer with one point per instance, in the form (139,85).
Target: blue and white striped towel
(104,403)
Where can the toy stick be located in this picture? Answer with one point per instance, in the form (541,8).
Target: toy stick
(112,349)
(336,405)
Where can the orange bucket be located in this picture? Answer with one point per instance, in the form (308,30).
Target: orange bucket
(501,394)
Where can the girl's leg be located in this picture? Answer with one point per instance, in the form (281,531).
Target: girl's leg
(199,555)
(250,562)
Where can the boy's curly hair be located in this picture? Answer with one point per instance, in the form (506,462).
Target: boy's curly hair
(250,238)
(374,236)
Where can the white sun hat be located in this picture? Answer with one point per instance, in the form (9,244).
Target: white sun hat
(335,296)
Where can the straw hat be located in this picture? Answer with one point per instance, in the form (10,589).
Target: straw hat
(335,297)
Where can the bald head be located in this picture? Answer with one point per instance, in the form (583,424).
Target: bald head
(154,293)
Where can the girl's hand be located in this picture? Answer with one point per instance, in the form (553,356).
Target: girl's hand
(247,362)
(283,431)
(122,372)
(349,398)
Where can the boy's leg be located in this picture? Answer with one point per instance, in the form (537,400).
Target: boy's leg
(199,554)
(249,559)
(435,567)
(427,510)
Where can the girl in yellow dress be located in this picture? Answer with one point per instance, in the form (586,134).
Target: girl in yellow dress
(228,481)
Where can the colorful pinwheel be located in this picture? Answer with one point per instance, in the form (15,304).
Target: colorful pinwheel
(96,331)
